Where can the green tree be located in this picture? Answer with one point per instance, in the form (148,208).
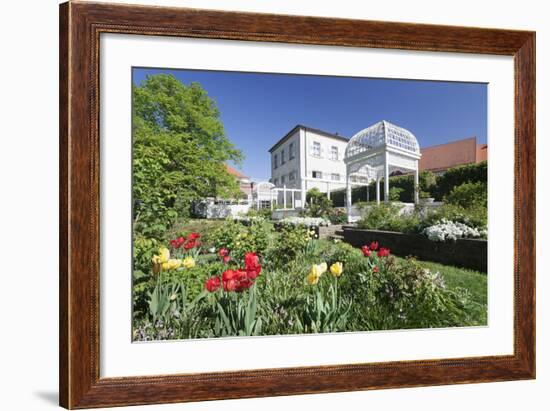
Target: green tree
(180,151)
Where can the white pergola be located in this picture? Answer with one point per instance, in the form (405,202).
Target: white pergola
(267,192)
(376,152)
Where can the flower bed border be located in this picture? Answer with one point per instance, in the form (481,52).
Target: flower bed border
(465,252)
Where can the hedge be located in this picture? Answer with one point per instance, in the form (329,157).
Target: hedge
(470,173)
(436,186)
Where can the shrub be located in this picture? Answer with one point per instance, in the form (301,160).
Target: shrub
(319,204)
(427,181)
(399,295)
(395,193)
(468,195)
(290,240)
(240,239)
(338,216)
(475,216)
(264,213)
(386,216)
(456,176)
(305,221)
(450,230)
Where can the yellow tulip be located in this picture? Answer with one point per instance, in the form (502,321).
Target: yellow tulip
(315,273)
(160,260)
(312,278)
(164,254)
(188,262)
(162,257)
(171,264)
(337,269)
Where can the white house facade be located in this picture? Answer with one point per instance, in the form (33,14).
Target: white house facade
(306,158)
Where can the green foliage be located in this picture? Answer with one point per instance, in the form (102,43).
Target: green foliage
(337,216)
(387,216)
(456,176)
(400,294)
(468,195)
(193,278)
(475,216)
(236,315)
(319,204)
(143,250)
(183,227)
(289,241)
(179,152)
(373,293)
(240,238)
(153,196)
(395,193)
(437,186)
(321,314)
(264,213)
(170,309)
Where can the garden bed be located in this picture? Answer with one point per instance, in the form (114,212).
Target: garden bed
(467,253)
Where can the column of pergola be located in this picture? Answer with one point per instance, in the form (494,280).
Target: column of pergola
(386,176)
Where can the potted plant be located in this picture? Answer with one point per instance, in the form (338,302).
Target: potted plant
(425,197)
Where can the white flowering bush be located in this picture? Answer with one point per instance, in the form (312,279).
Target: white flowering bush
(247,219)
(446,230)
(306,221)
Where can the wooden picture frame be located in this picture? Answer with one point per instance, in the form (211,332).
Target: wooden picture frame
(80,27)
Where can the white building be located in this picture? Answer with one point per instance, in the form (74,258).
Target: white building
(306,158)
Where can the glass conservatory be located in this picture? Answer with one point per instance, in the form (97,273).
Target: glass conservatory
(378,151)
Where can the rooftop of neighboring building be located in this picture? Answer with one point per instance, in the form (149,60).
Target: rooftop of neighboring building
(235,172)
(451,154)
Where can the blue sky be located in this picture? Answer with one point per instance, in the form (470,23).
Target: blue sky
(258,109)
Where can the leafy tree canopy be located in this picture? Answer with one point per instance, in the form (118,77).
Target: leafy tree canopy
(180,151)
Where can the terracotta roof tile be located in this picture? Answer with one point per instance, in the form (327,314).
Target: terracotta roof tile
(451,154)
(234,172)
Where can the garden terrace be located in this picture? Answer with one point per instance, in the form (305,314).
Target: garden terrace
(464,252)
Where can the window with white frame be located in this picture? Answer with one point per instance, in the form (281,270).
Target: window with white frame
(283,158)
(334,153)
(283,180)
(291,152)
(317,174)
(335,177)
(275,161)
(316,149)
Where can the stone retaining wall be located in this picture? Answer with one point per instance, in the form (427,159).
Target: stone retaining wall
(467,253)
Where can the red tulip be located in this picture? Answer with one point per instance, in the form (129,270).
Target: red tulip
(177,242)
(212,284)
(229,280)
(365,250)
(226,259)
(193,236)
(191,243)
(236,280)
(375,269)
(374,246)
(244,281)
(383,252)
(252,265)
(223,252)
